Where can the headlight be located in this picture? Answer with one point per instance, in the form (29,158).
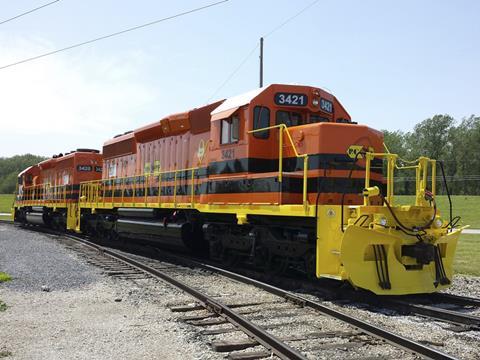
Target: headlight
(315,102)
(437,223)
(382,221)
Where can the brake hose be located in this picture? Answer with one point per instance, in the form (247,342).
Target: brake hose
(447,190)
(361,152)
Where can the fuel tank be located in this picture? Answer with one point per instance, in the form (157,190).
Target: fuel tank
(180,235)
(35,218)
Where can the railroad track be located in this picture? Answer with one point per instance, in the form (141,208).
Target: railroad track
(441,307)
(253,315)
(242,314)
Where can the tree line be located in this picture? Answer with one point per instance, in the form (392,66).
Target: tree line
(10,167)
(456,144)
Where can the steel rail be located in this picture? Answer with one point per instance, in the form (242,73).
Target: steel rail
(272,343)
(433,312)
(454,299)
(268,341)
(373,330)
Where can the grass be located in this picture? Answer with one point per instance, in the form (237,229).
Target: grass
(468,207)
(4,277)
(6,201)
(468,253)
(5,353)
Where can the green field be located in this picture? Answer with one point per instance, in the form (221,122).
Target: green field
(5,205)
(466,206)
(6,201)
(468,253)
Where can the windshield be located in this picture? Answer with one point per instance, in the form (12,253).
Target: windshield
(292,118)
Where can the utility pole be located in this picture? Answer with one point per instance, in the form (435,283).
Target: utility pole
(261,61)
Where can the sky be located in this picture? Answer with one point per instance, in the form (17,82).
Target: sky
(391,64)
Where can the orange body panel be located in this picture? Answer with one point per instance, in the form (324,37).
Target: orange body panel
(244,167)
(58,179)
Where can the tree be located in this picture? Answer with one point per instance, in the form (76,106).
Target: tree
(466,156)
(432,138)
(10,167)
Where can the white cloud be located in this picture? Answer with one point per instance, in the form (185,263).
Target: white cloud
(72,99)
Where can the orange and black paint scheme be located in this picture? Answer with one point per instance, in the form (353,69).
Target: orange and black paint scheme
(280,178)
(47,193)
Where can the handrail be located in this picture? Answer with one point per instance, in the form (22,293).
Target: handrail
(89,190)
(282,128)
(421,175)
(43,192)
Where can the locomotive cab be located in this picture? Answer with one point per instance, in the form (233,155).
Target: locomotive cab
(266,143)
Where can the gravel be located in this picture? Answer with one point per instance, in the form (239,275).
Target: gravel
(465,285)
(38,263)
(59,308)
(80,313)
(464,345)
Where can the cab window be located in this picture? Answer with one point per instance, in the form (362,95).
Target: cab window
(261,119)
(288,118)
(316,118)
(230,130)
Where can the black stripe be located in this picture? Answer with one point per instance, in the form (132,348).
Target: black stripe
(315,162)
(271,184)
(169,176)
(256,165)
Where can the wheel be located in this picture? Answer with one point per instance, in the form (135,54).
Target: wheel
(310,264)
(229,258)
(277,264)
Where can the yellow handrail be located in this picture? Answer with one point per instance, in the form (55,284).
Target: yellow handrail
(421,175)
(89,190)
(283,128)
(44,192)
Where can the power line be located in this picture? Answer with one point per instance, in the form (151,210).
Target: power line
(275,29)
(232,74)
(28,12)
(114,34)
(278,27)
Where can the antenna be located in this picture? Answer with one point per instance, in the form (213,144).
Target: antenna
(261,62)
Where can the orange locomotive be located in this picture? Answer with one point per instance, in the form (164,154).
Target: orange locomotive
(280,178)
(237,162)
(48,192)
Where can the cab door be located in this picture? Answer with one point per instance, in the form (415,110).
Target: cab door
(263,144)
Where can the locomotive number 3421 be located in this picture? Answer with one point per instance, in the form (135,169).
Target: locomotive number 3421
(291,99)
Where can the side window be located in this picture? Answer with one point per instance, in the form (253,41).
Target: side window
(261,119)
(282,117)
(288,118)
(235,130)
(316,118)
(296,118)
(112,169)
(230,131)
